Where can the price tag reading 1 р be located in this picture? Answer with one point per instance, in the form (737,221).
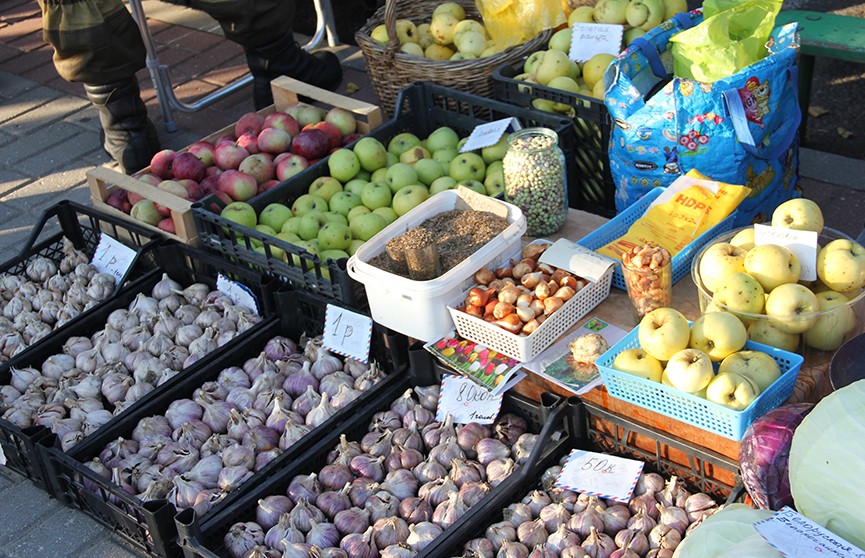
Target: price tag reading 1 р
(347,333)
(601,475)
(112,257)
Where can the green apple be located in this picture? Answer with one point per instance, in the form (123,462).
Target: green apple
(291,238)
(732,390)
(473,185)
(356,185)
(357,211)
(837,320)
(342,202)
(555,63)
(467,166)
(451,8)
(581,14)
(275,215)
(772,265)
(371,154)
(791,307)
(265,229)
(241,213)
(291,226)
(561,40)
(366,226)
(494,183)
(800,214)
(414,154)
(375,195)
(496,151)
(756,365)
(400,175)
(443,137)
(334,236)
(762,331)
(639,363)
(310,224)
(442,184)
(332,254)
(308,202)
(343,165)
(334,217)
(718,334)
(664,332)
(428,170)
(402,142)
(530,66)
(408,198)
(406,31)
(379,175)
(689,370)
(719,261)
(470,43)
(355,244)
(325,187)
(841,265)
(442,28)
(392,159)
(744,239)
(424,36)
(740,293)
(388,213)
(444,156)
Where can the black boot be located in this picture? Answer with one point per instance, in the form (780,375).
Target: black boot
(129,135)
(286,58)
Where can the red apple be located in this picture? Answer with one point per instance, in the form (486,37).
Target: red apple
(283,121)
(161,162)
(167,225)
(249,141)
(187,165)
(290,165)
(151,179)
(133,197)
(259,166)
(119,200)
(208,185)
(274,140)
(175,189)
(194,191)
(343,119)
(203,150)
(225,138)
(212,170)
(239,185)
(349,138)
(251,122)
(228,156)
(267,185)
(223,196)
(334,136)
(311,144)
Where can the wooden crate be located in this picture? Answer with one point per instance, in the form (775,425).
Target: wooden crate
(286,92)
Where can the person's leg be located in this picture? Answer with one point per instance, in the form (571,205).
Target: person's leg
(97,43)
(263,28)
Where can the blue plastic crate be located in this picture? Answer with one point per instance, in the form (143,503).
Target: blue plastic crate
(619,225)
(692,409)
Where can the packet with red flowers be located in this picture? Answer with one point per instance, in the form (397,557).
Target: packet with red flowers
(487,367)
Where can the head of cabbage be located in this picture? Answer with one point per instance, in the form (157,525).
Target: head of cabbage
(728,533)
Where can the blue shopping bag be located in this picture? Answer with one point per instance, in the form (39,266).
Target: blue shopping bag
(741,129)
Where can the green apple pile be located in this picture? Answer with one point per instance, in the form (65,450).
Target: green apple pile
(450,35)
(552,67)
(765,280)
(369,186)
(681,356)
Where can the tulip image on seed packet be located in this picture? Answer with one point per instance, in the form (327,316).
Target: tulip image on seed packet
(690,206)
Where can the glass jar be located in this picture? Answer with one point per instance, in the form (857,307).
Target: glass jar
(534,172)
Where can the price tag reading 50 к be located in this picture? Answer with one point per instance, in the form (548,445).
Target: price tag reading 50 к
(347,333)
(601,475)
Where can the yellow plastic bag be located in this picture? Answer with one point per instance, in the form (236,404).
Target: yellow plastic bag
(731,37)
(513,22)
(677,222)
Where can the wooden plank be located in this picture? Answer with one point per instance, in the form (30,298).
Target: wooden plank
(828,35)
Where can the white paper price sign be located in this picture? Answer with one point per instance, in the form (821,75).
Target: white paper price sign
(803,244)
(347,333)
(237,292)
(601,475)
(796,536)
(2,456)
(112,257)
(485,135)
(467,402)
(589,39)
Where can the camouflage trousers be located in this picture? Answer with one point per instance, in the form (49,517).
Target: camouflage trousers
(97,41)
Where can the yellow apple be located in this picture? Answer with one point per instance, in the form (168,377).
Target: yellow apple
(740,293)
(800,214)
(581,14)
(744,239)
(718,334)
(470,25)
(442,28)
(689,370)
(841,265)
(772,265)
(411,48)
(836,321)
(762,331)
(406,31)
(639,363)
(438,52)
(664,332)
(424,35)
(379,34)
(451,8)
(791,308)
(718,262)
(594,68)
(732,390)
(470,42)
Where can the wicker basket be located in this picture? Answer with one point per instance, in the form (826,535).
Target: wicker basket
(390,70)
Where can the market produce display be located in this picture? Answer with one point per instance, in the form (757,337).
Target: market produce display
(75,392)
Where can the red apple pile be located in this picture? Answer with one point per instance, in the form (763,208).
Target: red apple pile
(262,152)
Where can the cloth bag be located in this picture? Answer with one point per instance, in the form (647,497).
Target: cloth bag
(741,129)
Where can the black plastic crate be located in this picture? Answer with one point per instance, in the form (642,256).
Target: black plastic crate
(421,108)
(204,538)
(591,188)
(150,526)
(182,263)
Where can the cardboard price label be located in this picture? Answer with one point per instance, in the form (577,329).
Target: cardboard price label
(601,475)
(347,333)
(113,257)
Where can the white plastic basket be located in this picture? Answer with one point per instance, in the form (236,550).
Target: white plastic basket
(525,348)
(418,309)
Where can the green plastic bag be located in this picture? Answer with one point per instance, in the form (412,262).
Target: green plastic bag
(731,37)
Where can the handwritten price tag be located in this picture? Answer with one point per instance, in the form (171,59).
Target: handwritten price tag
(489,134)
(601,475)
(796,536)
(803,244)
(347,333)
(237,292)
(112,257)
(467,402)
(2,456)
(589,39)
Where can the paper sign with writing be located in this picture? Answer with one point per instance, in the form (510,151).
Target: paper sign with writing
(347,333)
(796,536)
(567,254)
(589,39)
(112,257)
(485,135)
(601,475)
(237,292)
(466,402)
(803,244)
(2,456)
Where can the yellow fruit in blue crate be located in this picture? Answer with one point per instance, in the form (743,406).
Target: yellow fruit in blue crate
(639,363)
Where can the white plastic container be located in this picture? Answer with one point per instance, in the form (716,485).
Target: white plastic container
(419,309)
